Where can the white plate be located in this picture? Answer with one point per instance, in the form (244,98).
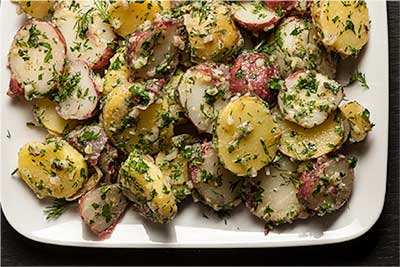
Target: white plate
(191,229)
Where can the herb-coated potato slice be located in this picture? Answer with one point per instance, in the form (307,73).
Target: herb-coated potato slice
(90,183)
(358,117)
(153,50)
(109,163)
(87,36)
(307,98)
(294,48)
(38,8)
(246,136)
(255,73)
(343,25)
(126,16)
(102,207)
(36,58)
(144,184)
(117,73)
(45,114)
(255,15)
(52,169)
(173,163)
(326,183)
(78,94)
(203,91)
(215,186)
(170,91)
(302,144)
(271,196)
(213,35)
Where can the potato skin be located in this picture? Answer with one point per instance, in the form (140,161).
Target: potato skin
(254,72)
(326,183)
(52,169)
(213,35)
(144,184)
(343,26)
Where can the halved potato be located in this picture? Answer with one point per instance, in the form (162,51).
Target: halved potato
(358,117)
(38,8)
(52,169)
(45,114)
(343,25)
(213,35)
(302,144)
(144,184)
(246,136)
(126,16)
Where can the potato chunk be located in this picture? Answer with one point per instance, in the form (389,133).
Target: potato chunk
(302,144)
(38,9)
(358,117)
(144,184)
(246,136)
(52,169)
(213,35)
(126,16)
(343,25)
(118,73)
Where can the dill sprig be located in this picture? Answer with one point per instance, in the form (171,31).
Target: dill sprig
(359,77)
(102,7)
(56,209)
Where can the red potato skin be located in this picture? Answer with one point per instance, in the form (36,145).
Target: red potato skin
(107,232)
(284,4)
(257,27)
(15,89)
(207,68)
(246,76)
(104,60)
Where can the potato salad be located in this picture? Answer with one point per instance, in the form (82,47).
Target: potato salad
(151,104)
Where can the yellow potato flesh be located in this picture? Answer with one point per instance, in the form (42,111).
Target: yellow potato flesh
(241,154)
(38,9)
(126,16)
(358,118)
(55,169)
(344,25)
(45,113)
(117,74)
(303,144)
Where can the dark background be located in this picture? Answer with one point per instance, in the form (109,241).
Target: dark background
(379,246)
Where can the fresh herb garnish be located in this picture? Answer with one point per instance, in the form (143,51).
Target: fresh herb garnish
(56,209)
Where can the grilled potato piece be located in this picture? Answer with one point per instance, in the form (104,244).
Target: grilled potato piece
(343,26)
(52,169)
(246,136)
(358,117)
(144,184)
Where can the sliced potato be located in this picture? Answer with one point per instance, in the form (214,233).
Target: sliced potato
(302,144)
(36,59)
(271,196)
(102,207)
(89,184)
(173,163)
(126,16)
(38,8)
(117,73)
(246,136)
(294,48)
(326,183)
(215,186)
(204,90)
(343,25)
(52,169)
(213,35)
(45,114)
(308,97)
(144,184)
(358,117)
